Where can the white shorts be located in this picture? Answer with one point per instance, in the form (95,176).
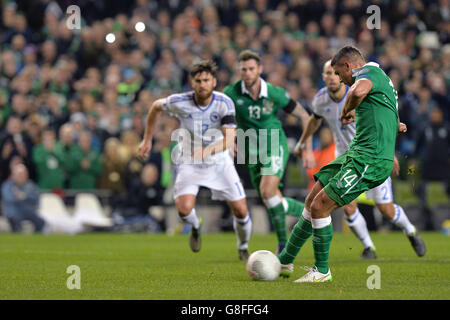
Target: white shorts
(221,178)
(382,193)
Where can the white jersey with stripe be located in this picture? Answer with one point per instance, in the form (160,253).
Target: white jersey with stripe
(324,106)
(203,124)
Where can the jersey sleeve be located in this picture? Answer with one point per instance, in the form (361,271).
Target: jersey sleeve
(367,73)
(315,107)
(281,97)
(173,104)
(227,112)
(169,105)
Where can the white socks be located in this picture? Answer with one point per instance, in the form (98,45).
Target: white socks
(192,219)
(321,222)
(273,202)
(401,220)
(306,215)
(357,223)
(243,230)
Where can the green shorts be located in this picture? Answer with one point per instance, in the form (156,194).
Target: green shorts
(274,165)
(347,176)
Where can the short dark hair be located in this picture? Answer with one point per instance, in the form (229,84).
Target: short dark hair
(349,52)
(208,66)
(249,55)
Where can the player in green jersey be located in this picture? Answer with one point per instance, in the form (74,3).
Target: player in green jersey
(372,104)
(265,152)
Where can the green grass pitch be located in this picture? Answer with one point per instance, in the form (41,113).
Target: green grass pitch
(160,267)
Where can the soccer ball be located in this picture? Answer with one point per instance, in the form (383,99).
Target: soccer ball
(263,265)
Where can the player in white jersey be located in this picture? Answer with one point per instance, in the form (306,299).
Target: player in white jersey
(205,139)
(327,104)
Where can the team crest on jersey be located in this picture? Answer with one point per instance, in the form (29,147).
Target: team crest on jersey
(214,117)
(267,106)
(240,101)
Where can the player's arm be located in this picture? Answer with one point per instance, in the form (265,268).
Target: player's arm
(305,150)
(146,143)
(313,124)
(297,110)
(356,94)
(229,137)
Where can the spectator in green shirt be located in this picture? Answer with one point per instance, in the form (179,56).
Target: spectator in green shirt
(48,159)
(66,144)
(83,164)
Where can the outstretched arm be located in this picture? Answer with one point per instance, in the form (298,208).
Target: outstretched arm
(146,144)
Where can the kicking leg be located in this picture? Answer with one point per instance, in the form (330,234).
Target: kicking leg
(321,208)
(300,233)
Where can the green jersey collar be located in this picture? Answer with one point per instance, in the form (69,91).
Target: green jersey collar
(357,71)
(262,93)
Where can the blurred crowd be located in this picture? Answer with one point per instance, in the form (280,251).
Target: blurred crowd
(73,106)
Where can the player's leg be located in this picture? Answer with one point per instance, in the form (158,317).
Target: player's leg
(227,186)
(187,183)
(299,235)
(273,201)
(384,200)
(358,225)
(303,229)
(353,177)
(321,209)
(292,207)
(242,224)
(185,205)
(397,216)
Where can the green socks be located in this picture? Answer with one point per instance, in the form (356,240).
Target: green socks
(278,218)
(321,243)
(301,232)
(295,208)
(322,231)
(277,213)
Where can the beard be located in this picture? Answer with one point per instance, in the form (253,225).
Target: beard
(203,95)
(250,83)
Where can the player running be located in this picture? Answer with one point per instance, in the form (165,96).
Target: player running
(266,152)
(207,124)
(371,102)
(327,105)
